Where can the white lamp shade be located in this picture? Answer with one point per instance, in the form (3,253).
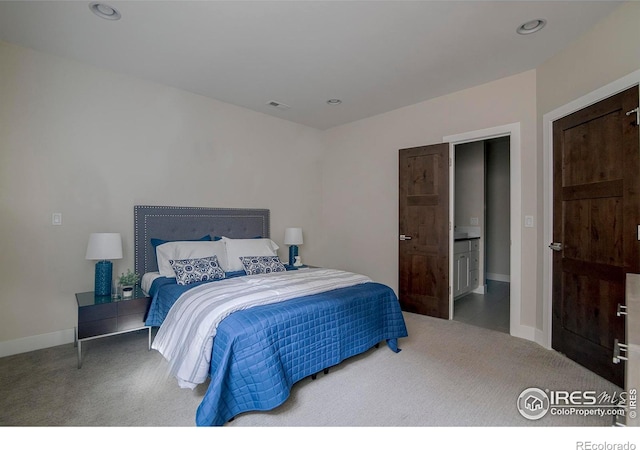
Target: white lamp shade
(293,236)
(104,246)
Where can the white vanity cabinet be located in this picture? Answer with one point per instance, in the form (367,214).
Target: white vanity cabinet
(466,261)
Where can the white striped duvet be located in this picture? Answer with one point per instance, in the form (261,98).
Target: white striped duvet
(185,338)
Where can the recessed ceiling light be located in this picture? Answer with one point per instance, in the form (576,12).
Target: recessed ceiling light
(105,11)
(531,26)
(334,101)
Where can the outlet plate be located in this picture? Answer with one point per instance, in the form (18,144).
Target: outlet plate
(528,221)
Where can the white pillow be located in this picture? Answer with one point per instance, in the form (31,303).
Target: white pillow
(189,250)
(237,248)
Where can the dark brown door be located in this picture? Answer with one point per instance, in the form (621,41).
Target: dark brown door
(596,190)
(424,230)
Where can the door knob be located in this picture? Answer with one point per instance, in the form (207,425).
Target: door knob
(556,246)
(405,238)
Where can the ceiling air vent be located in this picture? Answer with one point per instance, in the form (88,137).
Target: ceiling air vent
(278,105)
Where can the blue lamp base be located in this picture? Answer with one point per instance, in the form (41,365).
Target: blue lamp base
(293,252)
(103,278)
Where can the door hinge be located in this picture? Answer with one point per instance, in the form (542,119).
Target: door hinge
(618,349)
(621,311)
(450,163)
(633,111)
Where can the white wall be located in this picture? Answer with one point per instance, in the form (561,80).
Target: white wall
(469,193)
(360,175)
(90,144)
(610,50)
(498,225)
(469,185)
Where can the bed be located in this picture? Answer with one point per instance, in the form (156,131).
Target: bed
(252,333)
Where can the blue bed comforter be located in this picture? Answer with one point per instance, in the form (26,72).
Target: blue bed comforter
(165,291)
(259,353)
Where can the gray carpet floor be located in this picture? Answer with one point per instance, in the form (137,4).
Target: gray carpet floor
(447,374)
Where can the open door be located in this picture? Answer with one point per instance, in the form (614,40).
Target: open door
(424,230)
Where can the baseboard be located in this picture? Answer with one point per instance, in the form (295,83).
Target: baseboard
(524,332)
(38,342)
(498,277)
(543,339)
(482,289)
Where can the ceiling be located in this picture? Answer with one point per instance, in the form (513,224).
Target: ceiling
(375,56)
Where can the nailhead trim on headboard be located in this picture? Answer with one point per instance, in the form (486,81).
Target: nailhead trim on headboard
(191,222)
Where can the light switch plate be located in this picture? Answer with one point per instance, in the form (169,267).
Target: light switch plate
(56,219)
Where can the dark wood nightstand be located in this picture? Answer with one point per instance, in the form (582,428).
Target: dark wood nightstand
(101,316)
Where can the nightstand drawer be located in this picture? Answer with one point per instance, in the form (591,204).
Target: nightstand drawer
(97,312)
(130,322)
(136,306)
(97,327)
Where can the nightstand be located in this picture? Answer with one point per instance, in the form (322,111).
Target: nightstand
(101,316)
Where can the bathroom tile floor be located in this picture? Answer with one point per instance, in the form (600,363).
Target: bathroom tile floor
(490,310)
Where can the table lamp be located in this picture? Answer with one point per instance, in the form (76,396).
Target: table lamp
(103,247)
(293,238)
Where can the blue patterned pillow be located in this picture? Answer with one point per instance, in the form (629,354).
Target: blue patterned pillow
(262,264)
(194,270)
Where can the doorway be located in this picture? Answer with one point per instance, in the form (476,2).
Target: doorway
(426,236)
(512,131)
(481,255)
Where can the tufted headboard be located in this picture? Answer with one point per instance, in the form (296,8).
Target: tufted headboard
(174,223)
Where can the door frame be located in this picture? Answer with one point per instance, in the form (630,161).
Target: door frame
(515,179)
(544,337)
